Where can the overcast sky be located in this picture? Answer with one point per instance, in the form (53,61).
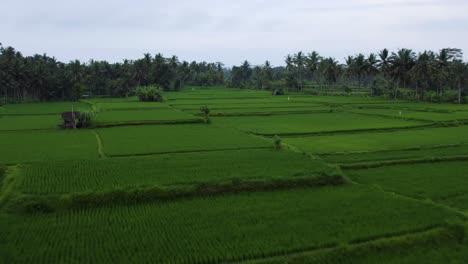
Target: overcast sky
(229,31)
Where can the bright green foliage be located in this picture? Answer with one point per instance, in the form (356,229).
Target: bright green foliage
(130,116)
(381,140)
(19,147)
(174,138)
(44,108)
(29,122)
(216,229)
(416,153)
(310,123)
(150,94)
(169,171)
(445,182)
(420,115)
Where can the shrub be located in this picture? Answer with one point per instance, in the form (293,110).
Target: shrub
(150,94)
(278,92)
(86,118)
(206,113)
(277,142)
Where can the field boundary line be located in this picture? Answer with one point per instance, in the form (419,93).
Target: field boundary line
(364,165)
(355,242)
(144,123)
(8,184)
(390,117)
(415,148)
(412,198)
(353,131)
(99,144)
(184,151)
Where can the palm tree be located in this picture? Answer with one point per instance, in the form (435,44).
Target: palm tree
(422,71)
(401,63)
(460,75)
(312,61)
(299,60)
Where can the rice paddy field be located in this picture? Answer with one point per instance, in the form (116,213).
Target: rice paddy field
(270,179)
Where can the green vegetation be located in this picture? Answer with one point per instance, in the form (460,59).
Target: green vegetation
(174,138)
(150,94)
(310,123)
(128,180)
(19,147)
(229,228)
(379,141)
(444,182)
(273,179)
(142,116)
(29,122)
(43,108)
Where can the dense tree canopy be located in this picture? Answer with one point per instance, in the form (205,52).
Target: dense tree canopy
(41,77)
(432,76)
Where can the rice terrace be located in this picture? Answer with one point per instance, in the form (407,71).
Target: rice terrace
(350,154)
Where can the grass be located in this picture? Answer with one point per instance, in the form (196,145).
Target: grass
(379,141)
(128,116)
(19,147)
(43,108)
(65,184)
(310,123)
(445,182)
(175,138)
(415,153)
(29,122)
(408,114)
(217,229)
(434,246)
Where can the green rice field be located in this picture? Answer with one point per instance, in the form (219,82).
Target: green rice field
(297,178)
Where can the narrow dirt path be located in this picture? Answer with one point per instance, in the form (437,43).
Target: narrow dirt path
(100,145)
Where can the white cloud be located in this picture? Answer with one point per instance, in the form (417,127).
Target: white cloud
(229,31)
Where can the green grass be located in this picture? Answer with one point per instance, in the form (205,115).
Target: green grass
(400,113)
(417,153)
(378,141)
(433,246)
(43,108)
(174,138)
(70,184)
(129,116)
(30,122)
(310,123)
(259,106)
(131,103)
(445,182)
(19,147)
(171,171)
(233,227)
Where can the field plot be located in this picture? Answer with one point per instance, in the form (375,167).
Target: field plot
(29,122)
(445,182)
(216,93)
(142,116)
(120,141)
(428,152)
(131,103)
(18,147)
(379,141)
(172,171)
(311,123)
(43,108)
(228,228)
(408,114)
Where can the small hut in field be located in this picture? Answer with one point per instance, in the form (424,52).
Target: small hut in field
(71,120)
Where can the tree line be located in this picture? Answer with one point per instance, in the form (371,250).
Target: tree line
(440,76)
(40,77)
(431,76)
